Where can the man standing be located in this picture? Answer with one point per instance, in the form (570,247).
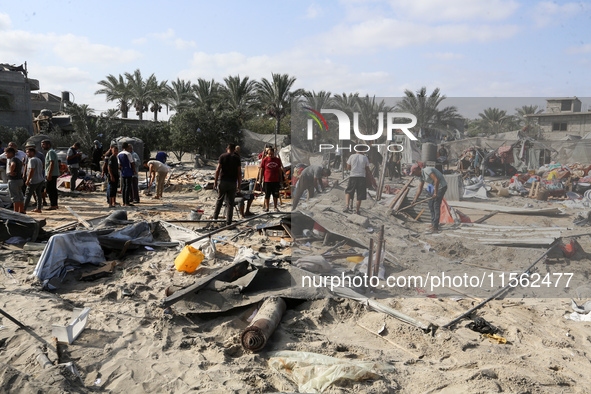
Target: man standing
(229,173)
(310,179)
(97,156)
(19,154)
(434,177)
(15,179)
(127,170)
(33,179)
(113,169)
(358,165)
(157,171)
(73,158)
(135,188)
(394,165)
(52,172)
(270,171)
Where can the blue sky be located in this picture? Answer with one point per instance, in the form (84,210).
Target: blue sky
(468,48)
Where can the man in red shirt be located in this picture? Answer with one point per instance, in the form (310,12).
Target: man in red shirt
(271,171)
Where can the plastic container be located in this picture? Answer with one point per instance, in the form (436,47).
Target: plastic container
(189,259)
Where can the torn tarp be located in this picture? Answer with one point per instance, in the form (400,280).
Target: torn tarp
(14,224)
(67,251)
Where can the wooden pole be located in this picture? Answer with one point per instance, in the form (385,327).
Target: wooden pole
(376,264)
(370,259)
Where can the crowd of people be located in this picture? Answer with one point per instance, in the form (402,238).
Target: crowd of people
(30,174)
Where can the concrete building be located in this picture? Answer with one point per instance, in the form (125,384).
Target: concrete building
(15,97)
(564,116)
(45,100)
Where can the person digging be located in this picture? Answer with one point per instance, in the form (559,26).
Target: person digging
(434,177)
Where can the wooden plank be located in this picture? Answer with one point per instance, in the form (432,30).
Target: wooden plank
(405,187)
(80,218)
(382,176)
(400,200)
(419,215)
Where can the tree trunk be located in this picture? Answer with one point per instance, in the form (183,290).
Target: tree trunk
(156,115)
(277,122)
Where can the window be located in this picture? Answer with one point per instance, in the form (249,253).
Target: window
(566,105)
(558,126)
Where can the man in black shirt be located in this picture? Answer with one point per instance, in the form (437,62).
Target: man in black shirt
(229,172)
(113,177)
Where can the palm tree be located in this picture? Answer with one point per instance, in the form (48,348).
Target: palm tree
(116,89)
(368,113)
(140,90)
(180,95)
(426,109)
(206,94)
(524,111)
(239,95)
(275,97)
(111,113)
(493,120)
(159,95)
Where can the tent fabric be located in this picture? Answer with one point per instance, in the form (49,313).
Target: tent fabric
(67,251)
(255,142)
(14,224)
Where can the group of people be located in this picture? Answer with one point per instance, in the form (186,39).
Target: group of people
(121,168)
(228,182)
(30,173)
(310,180)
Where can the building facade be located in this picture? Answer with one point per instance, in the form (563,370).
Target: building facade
(15,97)
(563,116)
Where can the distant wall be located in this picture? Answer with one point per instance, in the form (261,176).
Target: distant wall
(15,101)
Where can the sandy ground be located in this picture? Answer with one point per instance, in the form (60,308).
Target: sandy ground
(132,345)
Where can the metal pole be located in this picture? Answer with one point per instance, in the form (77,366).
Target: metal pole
(234,225)
(498,293)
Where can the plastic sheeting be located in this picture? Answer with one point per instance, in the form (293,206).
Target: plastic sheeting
(138,234)
(68,251)
(314,373)
(14,224)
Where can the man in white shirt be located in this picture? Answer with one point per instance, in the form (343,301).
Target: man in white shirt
(357,164)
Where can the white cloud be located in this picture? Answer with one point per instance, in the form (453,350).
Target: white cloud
(313,73)
(17,45)
(181,44)
(455,10)
(5,22)
(443,56)
(313,11)
(139,41)
(547,13)
(169,38)
(57,78)
(74,49)
(167,35)
(387,33)
(579,49)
